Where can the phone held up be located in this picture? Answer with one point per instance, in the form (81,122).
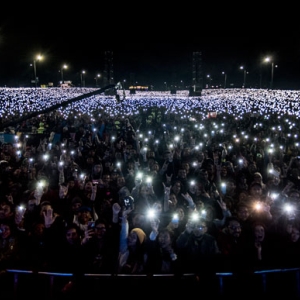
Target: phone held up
(128,202)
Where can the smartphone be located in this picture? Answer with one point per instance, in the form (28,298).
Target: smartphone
(128,202)
(91,225)
(95,181)
(175,219)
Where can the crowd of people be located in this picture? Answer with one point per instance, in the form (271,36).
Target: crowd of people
(154,187)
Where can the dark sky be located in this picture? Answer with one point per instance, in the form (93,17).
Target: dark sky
(153,56)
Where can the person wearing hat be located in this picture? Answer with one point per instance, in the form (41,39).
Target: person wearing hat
(132,247)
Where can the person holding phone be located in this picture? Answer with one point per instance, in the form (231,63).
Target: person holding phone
(144,197)
(132,247)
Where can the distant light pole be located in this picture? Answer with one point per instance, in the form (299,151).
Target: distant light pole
(209,80)
(82,78)
(268,59)
(62,72)
(38,57)
(182,84)
(166,87)
(245,74)
(225,79)
(96,78)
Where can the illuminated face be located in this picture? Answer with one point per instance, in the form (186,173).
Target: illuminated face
(100,230)
(234,228)
(172,200)
(88,186)
(243,213)
(76,206)
(256,190)
(164,239)
(84,216)
(106,178)
(158,207)
(5,211)
(180,213)
(63,191)
(72,236)
(176,187)
(46,208)
(185,166)
(259,233)
(5,231)
(295,234)
(120,181)
(199,229)
(182,173)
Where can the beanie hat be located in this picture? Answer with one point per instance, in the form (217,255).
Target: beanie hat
(140,233)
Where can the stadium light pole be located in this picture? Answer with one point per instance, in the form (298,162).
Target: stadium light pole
(82,78)
(209,80)
(245,74)
(62,72)
(38,58)
(269,59)
(96,78)
(225,79)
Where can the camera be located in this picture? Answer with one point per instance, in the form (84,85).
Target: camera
(128,202)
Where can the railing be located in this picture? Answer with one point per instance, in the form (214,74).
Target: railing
(48,285)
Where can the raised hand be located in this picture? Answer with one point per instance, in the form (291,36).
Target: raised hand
(49,217)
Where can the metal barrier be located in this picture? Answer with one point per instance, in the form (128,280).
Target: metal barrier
(48,285)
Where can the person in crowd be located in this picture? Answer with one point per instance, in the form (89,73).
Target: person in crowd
(289,248)
(161,257)
(49,209)
(101,245)
(84,215)
(197,250)
(69,258)
(10,251)
(263,251)
(232,245)
(37,248)
(132,254)
(144,196)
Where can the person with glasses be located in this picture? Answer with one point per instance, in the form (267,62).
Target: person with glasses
(198,252)
(101,247)
(232,244)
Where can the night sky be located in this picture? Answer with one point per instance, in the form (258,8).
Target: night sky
(149,57)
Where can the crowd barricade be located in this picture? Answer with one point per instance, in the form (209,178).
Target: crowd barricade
(48,285)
